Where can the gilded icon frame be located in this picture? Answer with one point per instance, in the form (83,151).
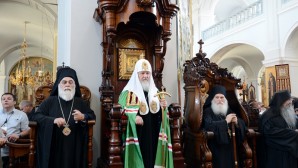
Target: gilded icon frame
(283,77)
(251,92)
(127,61)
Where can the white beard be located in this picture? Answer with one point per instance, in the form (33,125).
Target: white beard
(145,84)
(288,113)
(220,109)
(66,94)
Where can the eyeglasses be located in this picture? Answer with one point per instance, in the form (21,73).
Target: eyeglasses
(64,82)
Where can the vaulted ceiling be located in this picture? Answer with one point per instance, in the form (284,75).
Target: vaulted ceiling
(40,31)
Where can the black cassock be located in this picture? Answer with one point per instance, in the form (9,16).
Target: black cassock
(148,135)
(221,145)
(54,149)
(279,143)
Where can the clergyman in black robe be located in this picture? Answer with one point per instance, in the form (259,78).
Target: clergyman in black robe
(278,127)
(218,117)
(62,125)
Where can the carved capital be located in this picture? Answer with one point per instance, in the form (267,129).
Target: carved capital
(145,3)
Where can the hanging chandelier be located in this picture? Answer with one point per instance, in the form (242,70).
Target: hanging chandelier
(22,75)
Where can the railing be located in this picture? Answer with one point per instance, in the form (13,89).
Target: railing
(241,17)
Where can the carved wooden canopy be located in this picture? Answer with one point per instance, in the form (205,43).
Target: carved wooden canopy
(133,25)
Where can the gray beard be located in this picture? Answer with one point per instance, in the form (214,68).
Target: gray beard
(145,84)
(220,109)
(66,95)
(288,113)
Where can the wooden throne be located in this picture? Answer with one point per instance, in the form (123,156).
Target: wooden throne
(132,29)
(200,75)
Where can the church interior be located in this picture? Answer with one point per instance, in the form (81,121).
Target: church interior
(191,44)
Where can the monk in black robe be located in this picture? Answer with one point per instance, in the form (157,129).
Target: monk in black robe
(62,124)
(218,117)
(278,127)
